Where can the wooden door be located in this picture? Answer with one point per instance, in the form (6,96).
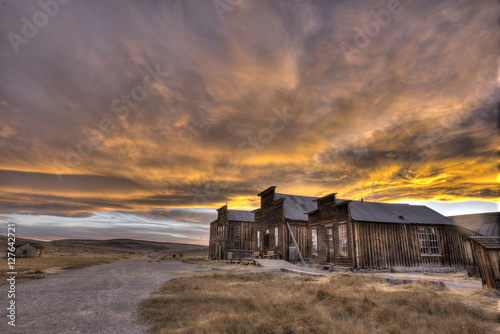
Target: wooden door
(329,246)
(266,240)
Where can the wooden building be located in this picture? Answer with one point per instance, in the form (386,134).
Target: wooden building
(487,250)
(278,213)
(231,232)
(29,249)
(487,223)
(372,235)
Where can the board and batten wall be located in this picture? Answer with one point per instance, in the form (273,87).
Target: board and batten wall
(271,216)
(330,217)
(488,261)
(386,245)
(378,245)
(224,235)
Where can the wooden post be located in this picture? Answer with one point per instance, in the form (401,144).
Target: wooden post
(295,243)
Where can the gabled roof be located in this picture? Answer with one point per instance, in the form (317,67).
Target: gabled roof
(295,206)
(396,213)
(487,242)
(240,215)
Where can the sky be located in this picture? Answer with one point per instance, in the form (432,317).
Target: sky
(139,118)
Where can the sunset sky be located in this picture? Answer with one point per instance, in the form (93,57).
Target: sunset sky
(137,119)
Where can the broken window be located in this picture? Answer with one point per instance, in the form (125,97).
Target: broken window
(343,239)
(429,242)
(236,230)
(314,241)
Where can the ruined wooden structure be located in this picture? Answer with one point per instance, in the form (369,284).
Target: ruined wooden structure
(487,251)
(277,212)
(343,233)
(29,250)
(371,235)
(231,234)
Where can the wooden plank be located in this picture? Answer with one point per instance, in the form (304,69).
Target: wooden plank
(295,243)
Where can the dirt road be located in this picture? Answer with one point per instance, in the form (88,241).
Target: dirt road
(104,298)
(96,299)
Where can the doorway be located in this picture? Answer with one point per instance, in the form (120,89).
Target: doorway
(266,240)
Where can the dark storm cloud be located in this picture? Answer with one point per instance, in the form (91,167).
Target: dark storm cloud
(361,119)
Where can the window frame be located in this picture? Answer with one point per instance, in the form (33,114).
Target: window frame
(314,241)
(343,240)
(258,239)
(429,242)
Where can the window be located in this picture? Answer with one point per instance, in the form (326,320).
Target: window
(258,239)
(237,245)
(25,251)
(314,241)
(343,239)
(429,242)
(276,236)
(236,230)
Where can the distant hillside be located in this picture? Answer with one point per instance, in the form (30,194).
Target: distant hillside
(131,245)
(75,246)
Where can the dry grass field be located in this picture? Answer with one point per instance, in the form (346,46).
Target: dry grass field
(277,303)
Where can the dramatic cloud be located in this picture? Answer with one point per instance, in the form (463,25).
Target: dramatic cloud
(145,107)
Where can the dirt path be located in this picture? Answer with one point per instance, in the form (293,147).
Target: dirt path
(96,299)
(451,280)
(104,298)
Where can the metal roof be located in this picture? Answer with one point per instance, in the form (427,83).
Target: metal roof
(490,229)
(240,215)
(295,206)
(486,223)
(487,242)
(396,213)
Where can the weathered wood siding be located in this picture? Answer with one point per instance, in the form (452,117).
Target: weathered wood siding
(270,216)
(212,244)
(300,232)
(373,245)
(224,235)
(386,245)
(489,265)
(241,240)
(330,217)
